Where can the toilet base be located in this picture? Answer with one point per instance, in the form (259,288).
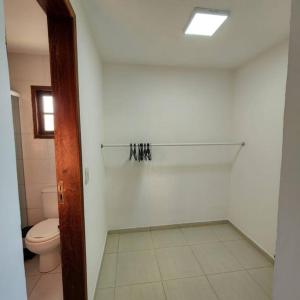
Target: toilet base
(50,260)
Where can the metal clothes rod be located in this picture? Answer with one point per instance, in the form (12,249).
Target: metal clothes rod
(177,145)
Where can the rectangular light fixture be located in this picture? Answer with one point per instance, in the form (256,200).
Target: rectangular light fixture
(206,21)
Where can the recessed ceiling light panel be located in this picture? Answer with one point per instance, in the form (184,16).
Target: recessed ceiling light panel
(206,21)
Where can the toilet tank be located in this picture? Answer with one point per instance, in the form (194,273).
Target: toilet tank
(50,203)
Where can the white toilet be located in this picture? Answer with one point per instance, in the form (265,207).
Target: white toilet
(44,238)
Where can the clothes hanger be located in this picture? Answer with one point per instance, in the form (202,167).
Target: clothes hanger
(131,152)
(141,152)
(134,152)
(145,152)
(149,152)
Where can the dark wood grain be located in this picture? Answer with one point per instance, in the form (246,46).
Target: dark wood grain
(64,78)
(57,8)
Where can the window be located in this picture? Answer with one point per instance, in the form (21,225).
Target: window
(43,111)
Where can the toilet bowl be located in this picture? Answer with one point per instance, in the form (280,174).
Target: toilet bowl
(44,240)
(44,237)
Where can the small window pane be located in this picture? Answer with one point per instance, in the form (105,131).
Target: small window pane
(49,122)
(48,104)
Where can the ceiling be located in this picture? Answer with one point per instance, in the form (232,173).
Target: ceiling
(152,31)
(26,27)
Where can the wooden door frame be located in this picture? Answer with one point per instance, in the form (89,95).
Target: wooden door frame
(64,78)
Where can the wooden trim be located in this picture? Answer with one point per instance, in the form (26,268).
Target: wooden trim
(38,122)
(63,65)
(57,8)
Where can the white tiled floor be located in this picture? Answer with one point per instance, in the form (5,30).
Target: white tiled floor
(210,262)
(43,286)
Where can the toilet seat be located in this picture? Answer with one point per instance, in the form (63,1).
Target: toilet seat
(43,231)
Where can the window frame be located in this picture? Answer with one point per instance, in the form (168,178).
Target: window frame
(37,111)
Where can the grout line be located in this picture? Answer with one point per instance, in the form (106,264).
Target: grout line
(244,268)
(131,284)
(117,265)
(254,244)
(186,242)
(191,225)
(174,279)
(34,284)
(169,246)
(204,274)
(194,255)
(171,226)
(233,254)
(185,238)
(226,272)
(212,287)
(190,246)
(157,263)
(178,246)
(138,283)
(259,268)
(260,285)
(136,250)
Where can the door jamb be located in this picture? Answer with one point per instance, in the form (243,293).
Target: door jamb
(64,78)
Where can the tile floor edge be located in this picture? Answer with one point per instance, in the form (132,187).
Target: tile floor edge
(254,244)
(169,226)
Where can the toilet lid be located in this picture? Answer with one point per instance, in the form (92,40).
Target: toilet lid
(43,231)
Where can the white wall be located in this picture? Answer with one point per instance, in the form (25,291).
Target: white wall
(38,154)
(90,98)
(287,267)
(12,279)
(39,160)
(258,119)
(161,104)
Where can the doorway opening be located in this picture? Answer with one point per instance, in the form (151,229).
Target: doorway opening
(47,137)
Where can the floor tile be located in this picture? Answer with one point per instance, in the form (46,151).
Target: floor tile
(177,262)
(49,287)
(112,243)
(215,258)
(148,291)
(133,241)
(137,267)
(199,234)
(108,271)
(31,281)
(247,255)
(226,232)
(237,286)
(167,238)
(189,289)
(264,277)
(32,266)
(105,294)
